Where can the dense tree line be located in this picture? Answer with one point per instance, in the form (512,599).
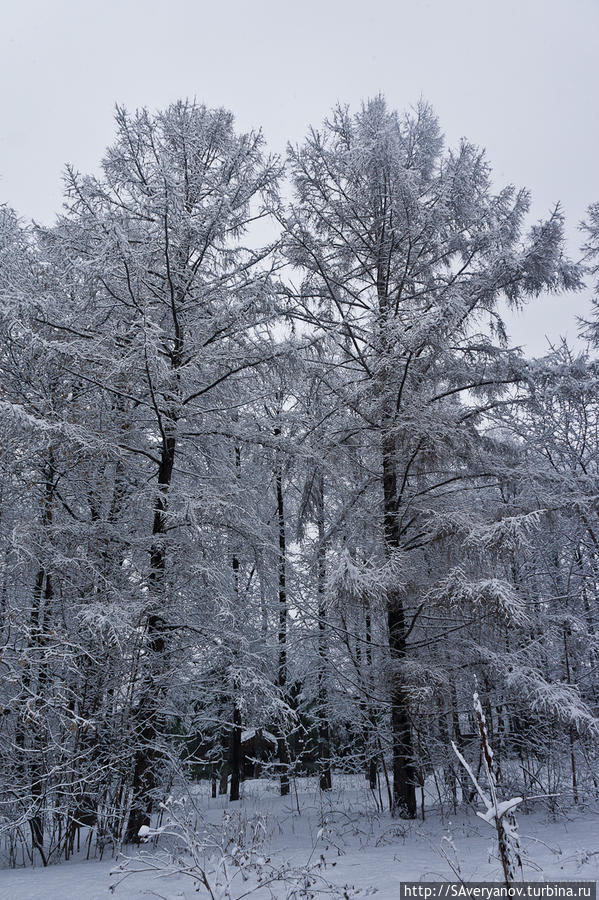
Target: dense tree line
(305,489)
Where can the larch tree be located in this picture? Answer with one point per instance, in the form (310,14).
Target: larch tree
(171,318)
(405,254)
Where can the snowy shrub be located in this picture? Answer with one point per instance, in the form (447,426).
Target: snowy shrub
(228,860)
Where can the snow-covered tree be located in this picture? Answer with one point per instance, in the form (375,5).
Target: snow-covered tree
(404,254)
(168,312)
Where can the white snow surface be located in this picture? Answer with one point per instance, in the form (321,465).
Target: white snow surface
(361,847)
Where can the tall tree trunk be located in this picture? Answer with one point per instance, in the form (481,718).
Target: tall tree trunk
(282,750)
(235,737)
(147,713)
(36,675)
(43,589)
(371,730)
(571,733)
(324,740)
(235,747)
(404,775)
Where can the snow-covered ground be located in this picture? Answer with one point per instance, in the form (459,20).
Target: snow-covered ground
(360,848)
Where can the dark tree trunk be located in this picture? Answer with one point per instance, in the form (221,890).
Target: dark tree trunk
(146,715)
(36,675)
(324,740)
(43,594)
(43,589)
(235,751)
(372,729)
(282,750)
(404,775)
(224,777)
(235,737)
(571,732)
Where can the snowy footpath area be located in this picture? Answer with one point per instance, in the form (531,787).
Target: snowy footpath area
(340,839)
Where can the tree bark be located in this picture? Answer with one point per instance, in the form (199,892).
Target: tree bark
(324,739)
(282,750)
(43,593)
(235,749)
(147,714)
(371,730)
(235,738)
(404,774)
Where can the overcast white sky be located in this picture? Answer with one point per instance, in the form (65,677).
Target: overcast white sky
(519,78)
